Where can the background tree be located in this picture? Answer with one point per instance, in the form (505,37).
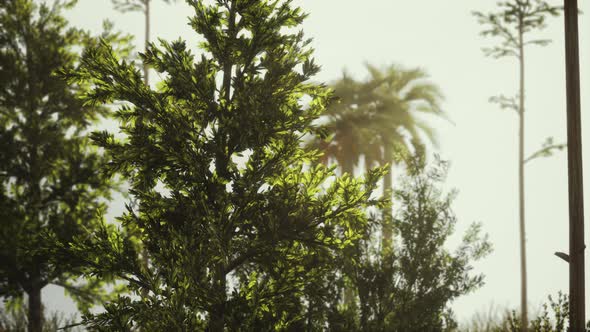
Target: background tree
(411,287)
(514,20)
(379,118)
(51,186)
(427,276)
(552,317)
(238,199)
(15,320)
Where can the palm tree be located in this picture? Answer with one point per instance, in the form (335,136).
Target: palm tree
(379,119)
(348,125)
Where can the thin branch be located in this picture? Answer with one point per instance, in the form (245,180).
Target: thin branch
(546,150)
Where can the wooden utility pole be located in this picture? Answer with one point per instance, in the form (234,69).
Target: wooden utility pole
(574,161)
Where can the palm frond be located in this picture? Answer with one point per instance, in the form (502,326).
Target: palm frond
(380,114)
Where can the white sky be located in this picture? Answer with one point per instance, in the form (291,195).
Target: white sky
(442,38)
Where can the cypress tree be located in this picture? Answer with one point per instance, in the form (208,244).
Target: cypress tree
(51,186)
(237,219)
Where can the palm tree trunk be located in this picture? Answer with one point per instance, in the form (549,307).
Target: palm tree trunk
(521,207)
(387,227)
(348,297)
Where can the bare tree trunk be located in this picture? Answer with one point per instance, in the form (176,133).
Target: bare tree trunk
(35,306)
(521,207)
(575,179)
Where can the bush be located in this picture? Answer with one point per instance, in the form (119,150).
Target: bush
(553,317)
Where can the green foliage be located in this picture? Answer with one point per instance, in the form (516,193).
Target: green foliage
(15,320)
(515,18)
(547,149)
(511,24)
(237,222)
(553,317)
(411,287)
(51,185)
(430,276)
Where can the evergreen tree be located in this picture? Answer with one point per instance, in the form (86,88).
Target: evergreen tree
(514,21)
(237,222)
(143,6)
(411,287)
(51,186)
(427,276)
(15,319)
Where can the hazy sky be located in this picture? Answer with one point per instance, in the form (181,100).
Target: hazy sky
(442,38)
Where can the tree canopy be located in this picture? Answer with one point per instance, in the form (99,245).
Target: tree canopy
(51,185)
(235,219)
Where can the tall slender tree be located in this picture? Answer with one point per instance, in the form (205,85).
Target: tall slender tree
(270,223)
(51,187)
(512,24)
